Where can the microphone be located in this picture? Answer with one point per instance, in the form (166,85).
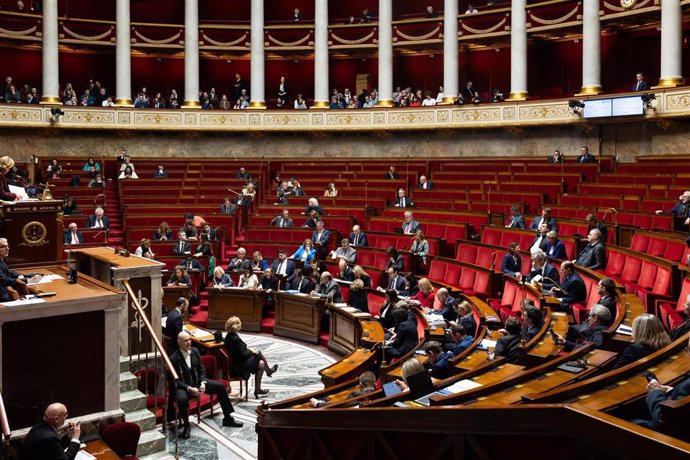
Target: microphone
(554,282)
(231,190)
(613,211)
(98,234)
(488,206)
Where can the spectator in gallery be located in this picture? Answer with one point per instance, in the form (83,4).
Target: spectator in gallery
(471,9)
(283,90)
(224,103)
(640,84)
(555,158)
(160,172)
(237,87)
(296,15)
(430,12)
(300,103)
(585,156)
(497,95)
(366,16)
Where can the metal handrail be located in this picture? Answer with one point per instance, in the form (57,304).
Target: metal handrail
(3,419)
(154,337)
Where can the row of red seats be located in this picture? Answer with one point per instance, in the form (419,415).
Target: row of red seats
(655,245)
(471,281)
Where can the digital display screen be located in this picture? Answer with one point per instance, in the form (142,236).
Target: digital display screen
(595,108)
(623,106)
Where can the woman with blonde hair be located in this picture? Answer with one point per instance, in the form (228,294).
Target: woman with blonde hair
(425,296)
(246,361)
(6,165)
(305,253)
(163,233)
(360,274)
(409,368)
(465,318)
(144,249)
(220,278)
(358,296)
(313,205)
(420,248)
(648,336)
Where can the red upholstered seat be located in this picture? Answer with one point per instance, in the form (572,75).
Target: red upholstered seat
(375,302)
(226,372)
(466,282)
(669,312)
(453,274)
(467,253)
(123,438)
(482,284)
(437,271)
(614,264)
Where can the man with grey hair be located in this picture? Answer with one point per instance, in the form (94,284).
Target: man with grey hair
(10,278)
(593,256)
(240,262)
(98,220)
(424,183)
(344,252)
(542,271)
(591,331)
(409,225)
(555,249)
(358,237)
(72,235)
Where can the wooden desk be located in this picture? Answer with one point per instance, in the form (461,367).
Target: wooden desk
(100,450)
(372,333)
(546,348)
(350,367)
(246,304)
(83,318)
(298,316)
(346,329)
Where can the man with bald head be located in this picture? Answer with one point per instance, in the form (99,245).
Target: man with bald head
(43,441)
(193,382)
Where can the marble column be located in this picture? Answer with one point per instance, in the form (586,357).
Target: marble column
(518,51)
(51,69)
(321,91)
(671,45)
(385,84)
(123,59)
(451,77)
(591,48)
(257,98)
(191,55)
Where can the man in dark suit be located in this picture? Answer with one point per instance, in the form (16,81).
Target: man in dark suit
(470,95)
(540,241)
(282,265)
(10,278)
(448,305)
(424,184)
(512,263)
(240,262)
(181,247)
(296,15)
(409,225)
(300,283)
(72,235)
(173,323)
(358,237)
(391,174)
(573,289)
(193,382)
(591,331)
(585,156)
(321,237)
(190,263)
(98,220)
(395,281)
(593,256)
(283,220)
(555,249)
(658,393)
(541,267)
(545,217)
(43,441)
(405,336)
(516,220)
(640,84)
(403,201)
(329,288)
(607,291)
(345,273)
(592,222)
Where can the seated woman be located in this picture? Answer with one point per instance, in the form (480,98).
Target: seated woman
(54,170)
(465,318)
(358,296)
(305,253)
(128,173)
(331,191)
(420,248)
(411,285)
(144,249)
(532,322)
(246,361)
(69,207)
(425,296)
(394,259)
(163,233)
(360,274)
(419,386)
(91,163)
(509,344)
(312,219)
(391,303)
(248,279)
(648,336)
(269,283)
(258,262)
(404,337)
(313,205)
(221,279)
(179,278)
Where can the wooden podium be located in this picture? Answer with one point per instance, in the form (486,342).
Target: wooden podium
(246,304)
(34,231)
(298,316)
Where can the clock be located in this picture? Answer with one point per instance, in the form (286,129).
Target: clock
(34,234)
(628,4)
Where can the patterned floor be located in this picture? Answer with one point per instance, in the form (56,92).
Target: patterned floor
(298,374)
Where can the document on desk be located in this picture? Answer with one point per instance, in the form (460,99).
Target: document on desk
(84,455)
(19,191)
(21,303)
(47,279)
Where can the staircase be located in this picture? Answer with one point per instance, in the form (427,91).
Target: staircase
(152,443)
(116,235)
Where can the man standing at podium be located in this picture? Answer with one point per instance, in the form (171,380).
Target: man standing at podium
(43,440)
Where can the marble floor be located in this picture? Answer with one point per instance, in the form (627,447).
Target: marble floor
(299,364)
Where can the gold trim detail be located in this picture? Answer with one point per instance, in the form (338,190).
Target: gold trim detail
(50,100)
(158,42)
(351,42)
(124,103)
(34,234)
(384,103)
(257,105)
(297,43)
(421,37)
(549,22)
(320,105)
(590,91)
(669,82)
(518,96)
(449,100)
(484,31)
(87,38)
(213,42)
(192,104)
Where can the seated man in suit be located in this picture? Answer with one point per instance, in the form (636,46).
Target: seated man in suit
(391,174)
(512,262)
(591,331)
(43,440)
(208,233)
(98,220)
(72,235)
(182,247)
(593,256)
(283,220)
(345,273)
(681,209)
(447,305)
(403,201)
(404,337)
(192,383)
(190,263)
(240,262)
(607,291)
(344,252)
(395,281)
(533,319)
(358,237)
(516,219)
(409,225)
(585,156)
(542,268)
(10,278)
(424,184)
(545,217)
(540,241)
(300,283)
(328,288)
(321,237)
(592,222)
(555,249)
(573,289)
(282,265)
(658,393)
